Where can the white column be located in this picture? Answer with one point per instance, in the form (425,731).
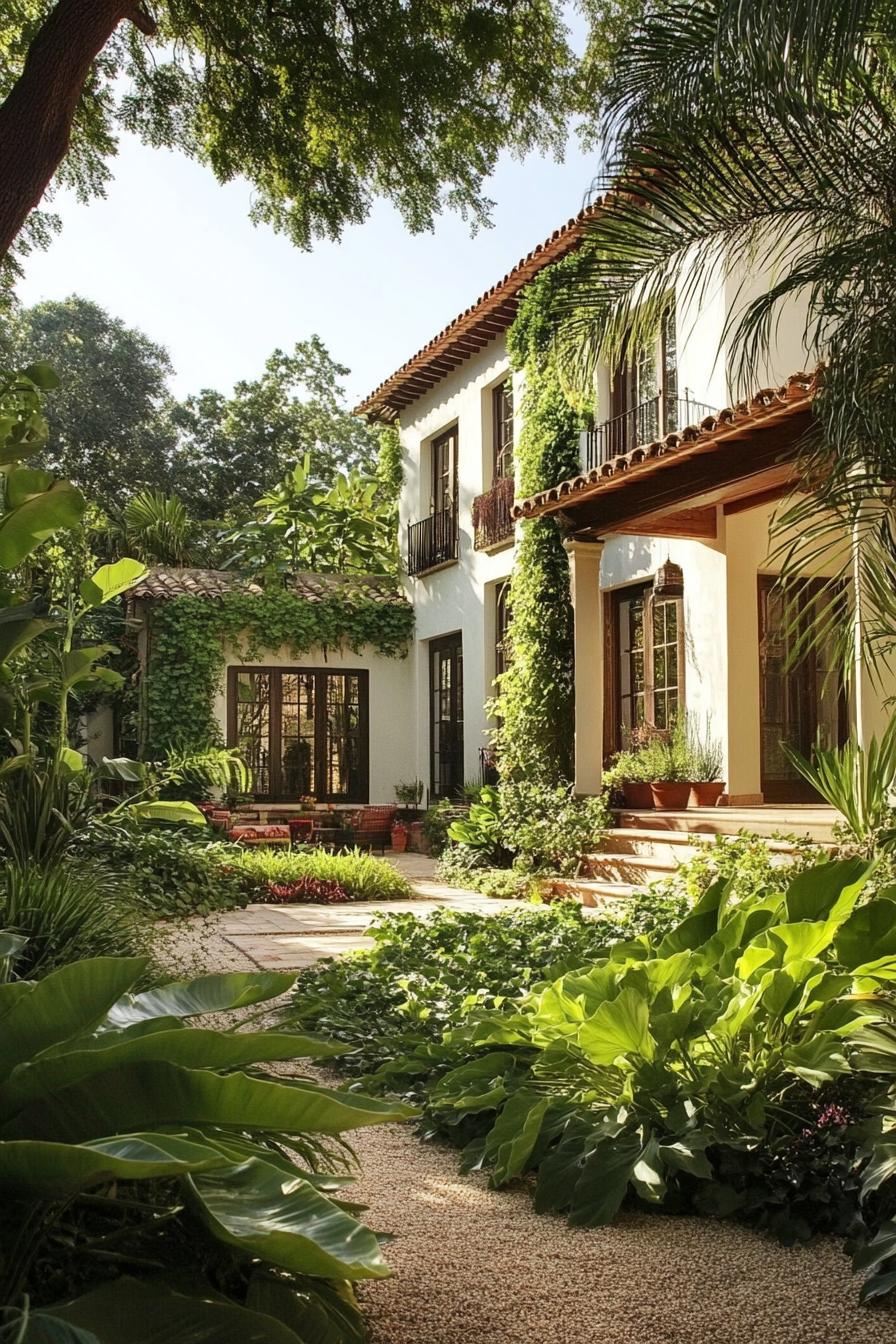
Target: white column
(587,604)
(871,688)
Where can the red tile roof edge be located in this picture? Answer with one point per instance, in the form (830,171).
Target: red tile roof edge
(793,396)
(398,390)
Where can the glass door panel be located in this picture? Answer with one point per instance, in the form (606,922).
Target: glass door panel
(446,717)
(253,727)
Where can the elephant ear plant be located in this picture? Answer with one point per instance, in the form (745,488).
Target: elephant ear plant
(677,1069)
(155,1185)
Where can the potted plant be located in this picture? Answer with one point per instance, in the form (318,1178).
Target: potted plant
(409,794)
(705,765)
(399,837)
(628,776)
(667,760)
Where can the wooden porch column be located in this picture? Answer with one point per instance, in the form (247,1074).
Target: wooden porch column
(587,604)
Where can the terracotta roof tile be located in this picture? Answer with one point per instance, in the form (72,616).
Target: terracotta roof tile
(795,395)
(162,583)
(475,327)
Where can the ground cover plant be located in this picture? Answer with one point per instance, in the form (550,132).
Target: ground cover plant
(358,876)
(142,1168)
(393,1004)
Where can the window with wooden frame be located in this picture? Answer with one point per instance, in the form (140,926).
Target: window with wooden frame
(502,627)
(302,731)
(502,430)
(645,672)
(444,472)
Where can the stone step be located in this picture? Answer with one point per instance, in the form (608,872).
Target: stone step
(812,823)
(588,890)
(635,869)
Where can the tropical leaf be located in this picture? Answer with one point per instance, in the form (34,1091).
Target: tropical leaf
(41,1170)
(206,994)
(620,1026)
(604,1181)
(321,1313)
(22,529)
(512,1138)
(110,581)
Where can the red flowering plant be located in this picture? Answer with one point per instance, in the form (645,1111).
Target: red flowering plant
(316,889)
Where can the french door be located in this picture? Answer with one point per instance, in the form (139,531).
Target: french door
(303,732)
(802,699)
(645,662)
(446,722)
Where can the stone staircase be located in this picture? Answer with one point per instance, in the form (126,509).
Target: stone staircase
(645,847)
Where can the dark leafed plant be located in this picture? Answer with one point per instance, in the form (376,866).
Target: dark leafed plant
(121,1128)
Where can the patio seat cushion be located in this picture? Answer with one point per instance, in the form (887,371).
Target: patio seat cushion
(259,834)
(372,826)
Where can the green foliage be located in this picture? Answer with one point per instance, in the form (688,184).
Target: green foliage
(157,529)
(684,1067)
(425,977)
(534,738)
(107,421)
(159,1142)
(302,523)
(360,875)
(745,862)
(69,910)
(436,821)
(187,655)
(171,873)
(482,828)
(858,783)
(547,828)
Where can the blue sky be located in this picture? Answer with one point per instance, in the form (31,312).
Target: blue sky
(173,252)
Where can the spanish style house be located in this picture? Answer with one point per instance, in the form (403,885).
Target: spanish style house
(678,477)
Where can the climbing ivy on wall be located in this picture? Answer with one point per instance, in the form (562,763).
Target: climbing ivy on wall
(188,636)
(535,734)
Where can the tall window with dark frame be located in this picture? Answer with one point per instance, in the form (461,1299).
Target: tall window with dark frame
(502,430)
(502,628)
(446,724)
(648,636)
(444,472)
(301,731)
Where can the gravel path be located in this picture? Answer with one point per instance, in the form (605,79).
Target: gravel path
(473,1266)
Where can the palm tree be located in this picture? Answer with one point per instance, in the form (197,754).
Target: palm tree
(762,137)
(157,528)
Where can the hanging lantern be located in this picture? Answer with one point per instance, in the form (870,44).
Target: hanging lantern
(668,581)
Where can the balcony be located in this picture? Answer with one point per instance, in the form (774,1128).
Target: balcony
(651,420)
(492,523)
(432,542)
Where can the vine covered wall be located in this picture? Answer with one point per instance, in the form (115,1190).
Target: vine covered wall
(535,737)
(188,636)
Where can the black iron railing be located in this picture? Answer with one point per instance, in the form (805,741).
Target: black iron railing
(492,522)
(642,424)
(432,541)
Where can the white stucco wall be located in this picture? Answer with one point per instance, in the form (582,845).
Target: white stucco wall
(461,596)
(390,708)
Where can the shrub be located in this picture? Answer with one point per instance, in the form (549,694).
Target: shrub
(172,873)
(423,977)
(547,827)
(313,889)
(463,867)
(745,861)
(360,876)
(66,912)
(436,821)
(159,1144)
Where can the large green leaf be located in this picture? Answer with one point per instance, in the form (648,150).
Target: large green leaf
(511,1139)
(20,624)
(264,1213)
(197,1048)
(24,528)
(881,1167)
(828,890)
(320,1312)
(604,1180)
(23,483)
(207,994)
(66,1002)
(817,1060)
(802,941)
(619,1026)
(42,1170)
(870,932)
(110,581)
(131,1311)
(42,1327)
(144,1096)
(175,813)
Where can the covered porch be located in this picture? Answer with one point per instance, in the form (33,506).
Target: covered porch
(702,499)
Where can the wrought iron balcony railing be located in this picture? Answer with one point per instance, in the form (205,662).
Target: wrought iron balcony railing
(492,522)
(642,424)
(433,541)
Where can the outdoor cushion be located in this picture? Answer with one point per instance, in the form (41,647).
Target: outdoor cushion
(259,834)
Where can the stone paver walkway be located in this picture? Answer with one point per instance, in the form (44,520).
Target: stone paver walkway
(289,937)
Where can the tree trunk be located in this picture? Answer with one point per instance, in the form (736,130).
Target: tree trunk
(36,118)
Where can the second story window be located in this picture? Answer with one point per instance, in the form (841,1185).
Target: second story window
(444,472)
(502,430)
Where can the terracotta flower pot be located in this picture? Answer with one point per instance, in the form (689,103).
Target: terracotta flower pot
(637,794)
(706,793)
(399,839)
(669,795)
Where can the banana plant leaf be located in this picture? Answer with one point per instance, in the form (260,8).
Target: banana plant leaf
(175,813)
(111,580)
(206,994)
(23,528)
(131,1311)
(320,1312)
(59,1170)
(262,1213)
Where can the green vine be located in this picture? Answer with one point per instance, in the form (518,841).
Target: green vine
(535,739)
(188,636)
